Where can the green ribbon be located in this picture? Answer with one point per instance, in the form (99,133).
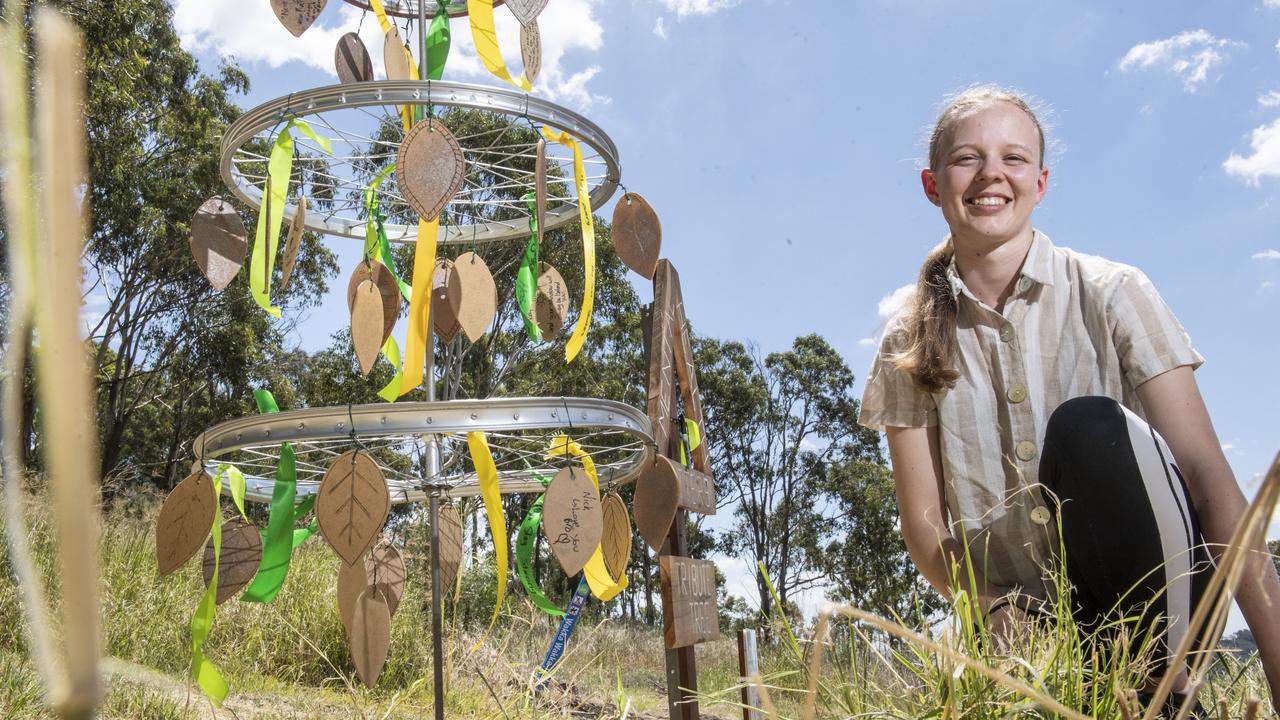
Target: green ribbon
(376,244)
(278,544)
(203,671)
(438,40)
(525,539)
(527,275)
(271,212)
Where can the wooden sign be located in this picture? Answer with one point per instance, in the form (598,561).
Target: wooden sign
(394,59)
(473,295)
(366,325)
(186,519)
(526,11)
(218,242)
(671,358)
(294,241)
(351,60)
(661,489)
(551,305)
(615,540)
(442,317)
(689,611)
(370,635)
(381,276)
(637,234)
(450,546)
(429,168)
(352,504)
(238,562)
(297,15)
(531,49)
(572,519)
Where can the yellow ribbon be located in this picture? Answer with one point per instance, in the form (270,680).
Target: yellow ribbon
(487,474)
(203,670)
(588,243)
(486,39)
(406,113)
(602,584)
(415,349)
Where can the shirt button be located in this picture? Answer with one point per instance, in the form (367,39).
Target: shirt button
(1017,393)
(1040,515)
(1006,333)
(1024,284)
(1025,451)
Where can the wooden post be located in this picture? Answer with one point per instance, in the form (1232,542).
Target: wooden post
(748,670)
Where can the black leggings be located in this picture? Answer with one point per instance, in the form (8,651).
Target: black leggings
(1129,530)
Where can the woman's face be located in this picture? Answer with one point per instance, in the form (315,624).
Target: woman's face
(988,178)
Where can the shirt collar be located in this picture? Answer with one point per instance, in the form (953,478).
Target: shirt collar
(1037,267)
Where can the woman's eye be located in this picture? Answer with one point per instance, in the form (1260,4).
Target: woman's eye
(964,159)
(1015,158)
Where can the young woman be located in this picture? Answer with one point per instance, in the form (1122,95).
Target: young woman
(1028,387)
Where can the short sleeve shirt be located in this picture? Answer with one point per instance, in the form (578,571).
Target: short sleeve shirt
(1075,325)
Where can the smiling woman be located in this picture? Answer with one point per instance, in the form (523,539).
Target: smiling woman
(1037,399)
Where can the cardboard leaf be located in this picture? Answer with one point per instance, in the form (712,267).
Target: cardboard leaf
(616,538)
(352,504)
(186,519)
(394,58)
(297,15)
(540,184)
(381,276)
(450,546)
(429,168)
(526,11)
(531,49)
(656,500)
(637,234)
(572,519)
(552,303)
(352,580)
(442,317)
(387,572)
(296,226)
(218,241)
(473,295)
(351,59)
(366,325)
(238,563)
(370,635)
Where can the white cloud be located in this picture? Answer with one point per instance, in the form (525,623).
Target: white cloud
(660,28)
(893,302)
(1264,159)
(869,342)
(249,31)
(698,7)
(1271,3)
(1268,254)
(1271,99)
(1189,55)
(1266,287)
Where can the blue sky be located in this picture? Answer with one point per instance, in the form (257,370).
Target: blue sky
(781,144)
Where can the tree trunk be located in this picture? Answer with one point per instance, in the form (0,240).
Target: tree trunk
(648,590)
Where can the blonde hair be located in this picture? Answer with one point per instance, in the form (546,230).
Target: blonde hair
(930,323)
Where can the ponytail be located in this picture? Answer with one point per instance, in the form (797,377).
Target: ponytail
(931,325)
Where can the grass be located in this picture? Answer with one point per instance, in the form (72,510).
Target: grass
(289,659)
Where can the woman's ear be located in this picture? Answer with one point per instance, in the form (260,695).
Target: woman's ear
(930,184)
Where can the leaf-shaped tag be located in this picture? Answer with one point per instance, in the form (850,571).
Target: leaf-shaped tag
(442,317)
(351,59)
(637,234)
(552,303)
(572,519)
(366,325)
(540,184)
(352,504)
(296,226)
(657,498)
(531,49)
(450,546)
(370,635)
(186,519)
(381,276)
(394,58)
(297,15)
(387,572)
(238,563)
(526,11)
(429,168)
(616,538)
(473,295)
(218,241)
(352,580)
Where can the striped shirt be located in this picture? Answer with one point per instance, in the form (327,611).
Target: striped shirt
(1075,325)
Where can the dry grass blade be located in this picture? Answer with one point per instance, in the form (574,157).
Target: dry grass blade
(951,654)
(65,383)
(815,662)
(1223,583)
(765,699)
(1251,709)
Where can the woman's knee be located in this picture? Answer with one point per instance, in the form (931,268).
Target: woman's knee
(1084,424)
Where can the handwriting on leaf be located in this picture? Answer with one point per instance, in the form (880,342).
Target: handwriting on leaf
(572,519)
